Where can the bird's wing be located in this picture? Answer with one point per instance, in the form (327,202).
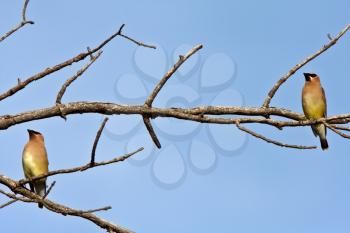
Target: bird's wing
(314,130)
(325,104)
(31,187)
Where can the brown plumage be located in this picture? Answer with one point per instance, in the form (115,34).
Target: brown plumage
(315,105)
(35,162)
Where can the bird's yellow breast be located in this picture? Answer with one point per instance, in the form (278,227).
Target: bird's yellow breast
(34,164)
(314,107)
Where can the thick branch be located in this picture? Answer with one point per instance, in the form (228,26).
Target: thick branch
(199,114)
(274,89)
(191,114)
(58,208)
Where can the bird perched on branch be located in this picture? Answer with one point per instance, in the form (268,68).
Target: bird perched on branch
(35,162)
(315,105)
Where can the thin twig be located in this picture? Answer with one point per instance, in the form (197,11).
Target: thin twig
(172,70)
(344,135)
(49,189)
(96,210)
(89,50)
(80,168)
(97,138)
(74,77)
(8,203)
(24,10)
(152,133)
(57,67)
(12,196)
(341,127)
(329,36)
(20,25)
(120,33)
(274,89)
(272,141)
(139,43)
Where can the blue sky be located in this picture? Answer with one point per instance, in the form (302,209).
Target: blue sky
(228,182)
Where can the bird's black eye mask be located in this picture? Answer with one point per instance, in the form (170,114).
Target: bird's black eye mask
(33,132)
(308,76)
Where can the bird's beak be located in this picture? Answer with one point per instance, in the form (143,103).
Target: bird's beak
(307,77)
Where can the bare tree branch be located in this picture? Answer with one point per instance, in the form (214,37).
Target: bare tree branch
(24,10)
(14,199)
(274,89)
(195,114)
(273,141)
(18,188)
(97,138)
(12,196)
(8,203)
(99,209)
(58,67)
(341,127)
(158,87)
(152,133)
(74,77)
(80,168)
(139,43)
(58,208)
(344,135)
(49,189)
(191,114)
(20,25)
(172,70)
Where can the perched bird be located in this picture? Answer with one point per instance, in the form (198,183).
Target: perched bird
(315,105)
(34,161)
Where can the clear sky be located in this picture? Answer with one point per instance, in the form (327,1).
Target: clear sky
(205,178)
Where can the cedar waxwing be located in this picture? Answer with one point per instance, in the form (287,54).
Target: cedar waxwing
(315,105)
(34,161)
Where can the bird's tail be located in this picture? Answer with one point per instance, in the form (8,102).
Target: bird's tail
(322,131)
(324,143)
(40,189)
